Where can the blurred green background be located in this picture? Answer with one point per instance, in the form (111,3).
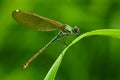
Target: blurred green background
(92,58)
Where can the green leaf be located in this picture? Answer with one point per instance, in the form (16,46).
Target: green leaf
(104,32)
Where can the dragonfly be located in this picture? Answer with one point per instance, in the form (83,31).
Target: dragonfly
(40,23)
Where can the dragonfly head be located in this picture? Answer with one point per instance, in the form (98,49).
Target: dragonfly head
(76,30)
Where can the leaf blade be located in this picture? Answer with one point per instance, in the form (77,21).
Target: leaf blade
(104,32)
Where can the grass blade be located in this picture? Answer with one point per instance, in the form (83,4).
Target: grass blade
(104,32)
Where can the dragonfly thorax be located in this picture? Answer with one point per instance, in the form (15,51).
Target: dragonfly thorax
(69,30)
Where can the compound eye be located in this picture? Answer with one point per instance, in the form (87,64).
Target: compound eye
(76,30)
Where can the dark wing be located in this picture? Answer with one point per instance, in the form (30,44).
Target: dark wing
(35,21)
